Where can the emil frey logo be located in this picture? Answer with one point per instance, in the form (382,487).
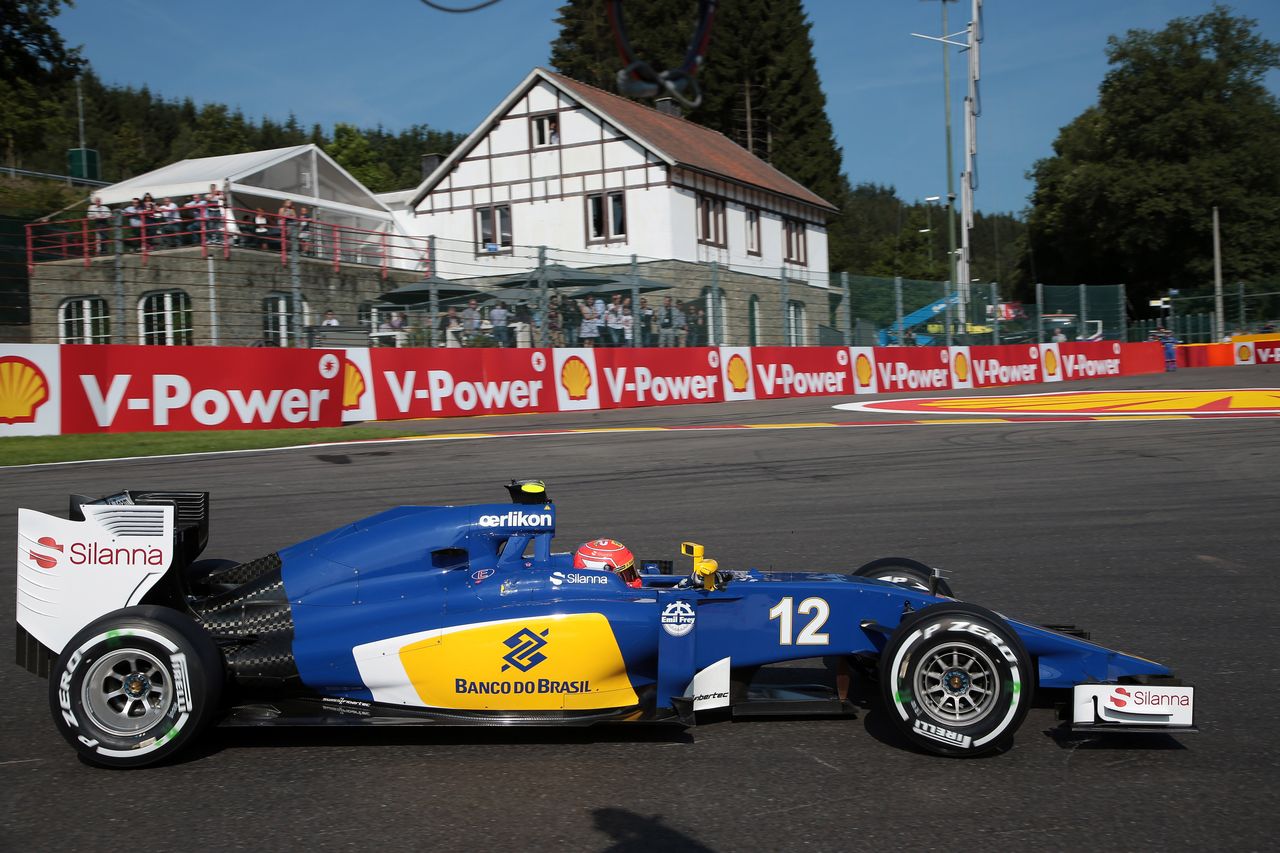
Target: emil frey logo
(526,650)
(678,618)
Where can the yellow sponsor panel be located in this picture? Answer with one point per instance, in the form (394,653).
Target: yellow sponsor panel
(549,663)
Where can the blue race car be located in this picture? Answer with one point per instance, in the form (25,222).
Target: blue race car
(465,616)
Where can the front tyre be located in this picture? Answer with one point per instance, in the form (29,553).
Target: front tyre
(903,571)
(133,687)
(956,680)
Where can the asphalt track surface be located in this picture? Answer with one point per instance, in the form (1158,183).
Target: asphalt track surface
(1158,536)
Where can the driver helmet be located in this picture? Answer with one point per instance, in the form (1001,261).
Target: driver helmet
(608,554)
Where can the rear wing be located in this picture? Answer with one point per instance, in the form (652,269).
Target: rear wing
(106,555)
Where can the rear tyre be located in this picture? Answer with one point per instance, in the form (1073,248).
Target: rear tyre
(903,572)
(956,680)
(135,686)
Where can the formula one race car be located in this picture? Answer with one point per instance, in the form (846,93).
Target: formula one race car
(464,616)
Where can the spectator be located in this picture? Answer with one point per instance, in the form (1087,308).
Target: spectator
(612,336)
(555,324)
(262,230)
(697,326)
(99,216)
(133,234)
(196,228)
(154,221)
(470,320)
(451,328)
(304,231)
(172,222)
(628,327)
(331,319)
(570,321)
(646,323)
(1059,336)
(597,311)
(908,338)
(670,324)
(215,227)
(589,329)
(499,316)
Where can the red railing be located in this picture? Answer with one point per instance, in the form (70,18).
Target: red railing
(145,233)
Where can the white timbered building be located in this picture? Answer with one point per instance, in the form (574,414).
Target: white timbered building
(568,166)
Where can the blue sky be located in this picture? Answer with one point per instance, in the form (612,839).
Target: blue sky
(398,62)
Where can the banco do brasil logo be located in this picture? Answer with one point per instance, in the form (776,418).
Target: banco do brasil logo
(526,650)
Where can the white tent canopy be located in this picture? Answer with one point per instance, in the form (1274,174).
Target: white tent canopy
(303,173)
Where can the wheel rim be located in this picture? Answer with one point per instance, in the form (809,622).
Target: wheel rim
(957,684)
(127,691)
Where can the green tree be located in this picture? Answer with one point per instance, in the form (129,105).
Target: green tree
(36,68)
(1183,123)
(760,83)
(353,152)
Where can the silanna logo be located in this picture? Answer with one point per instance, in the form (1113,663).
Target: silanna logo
(526,650)
(46,561)
(23,389)
(93,554)
(1115,699)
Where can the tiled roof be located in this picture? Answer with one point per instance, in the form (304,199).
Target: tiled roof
(685,142)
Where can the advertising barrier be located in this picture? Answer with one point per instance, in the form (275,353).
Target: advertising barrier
(107,388)
(47,389)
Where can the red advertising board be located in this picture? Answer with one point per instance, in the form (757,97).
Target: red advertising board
(1266,352)
(800,372)
(438,383)
(1014,364)
(1100,359)
(658,377)
(112,388)
(912,369)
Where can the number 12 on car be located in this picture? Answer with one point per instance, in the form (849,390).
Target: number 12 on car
(809,636)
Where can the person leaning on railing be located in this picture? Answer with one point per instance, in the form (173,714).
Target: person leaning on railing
(99,216)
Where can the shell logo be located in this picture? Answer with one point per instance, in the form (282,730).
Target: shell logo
(575,376)
(1242,354)
(1050,363)
(353,386)
(862,367)
(960,366)
(23,389)
(738,373)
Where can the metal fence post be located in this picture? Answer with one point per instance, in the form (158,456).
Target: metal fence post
(946,314)
(846,309)
(995,314)
(636,316)
(434,299)
(213,302)
(897,303)
(295,278)
(1084,312)
(1240,290)
(786,336)
(544,335)
(1039,313)
(122,311)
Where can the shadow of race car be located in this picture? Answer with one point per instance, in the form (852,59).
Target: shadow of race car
(463,615)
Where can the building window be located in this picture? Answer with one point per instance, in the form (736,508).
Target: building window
(493,229)
(606,217)
(711,221)
(545,130)
(753,231)
(164,318)
(278,327)
(796,243)
(84,321)
(795,324)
